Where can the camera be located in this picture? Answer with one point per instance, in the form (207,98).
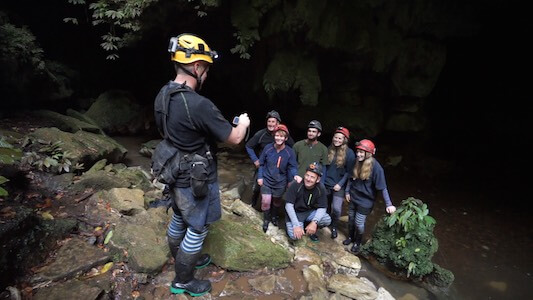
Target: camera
(235,121)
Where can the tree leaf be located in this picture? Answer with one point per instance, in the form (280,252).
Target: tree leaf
(108,237)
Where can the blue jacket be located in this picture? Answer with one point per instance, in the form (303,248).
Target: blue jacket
(336,175)
(277,168)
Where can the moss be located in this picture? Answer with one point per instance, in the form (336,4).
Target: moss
(440,277)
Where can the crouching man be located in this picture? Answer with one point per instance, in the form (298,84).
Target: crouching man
(306,205)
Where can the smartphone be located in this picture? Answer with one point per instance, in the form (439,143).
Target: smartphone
(235,121)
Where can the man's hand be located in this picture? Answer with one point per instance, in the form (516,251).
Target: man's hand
(337,188)
(298,178)
(257,164)
(347,196)
(260,182)
(311,228)
(391,209)
(244,120)
(298,232)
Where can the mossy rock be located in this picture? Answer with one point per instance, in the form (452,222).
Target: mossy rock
(235,245)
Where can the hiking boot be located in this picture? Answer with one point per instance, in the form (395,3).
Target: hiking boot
(313,238)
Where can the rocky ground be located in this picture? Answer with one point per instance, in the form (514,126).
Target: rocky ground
(91,233)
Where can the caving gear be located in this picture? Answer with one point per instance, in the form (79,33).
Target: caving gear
(203,260)
(315,124)
(282,127)
(184,282)
(344,131)
(266,219)
(356,248)
(315,168)
(273,114)
(367,146)
(187,48)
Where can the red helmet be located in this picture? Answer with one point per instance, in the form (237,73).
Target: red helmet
(366,145)
(282,128)
(344,131)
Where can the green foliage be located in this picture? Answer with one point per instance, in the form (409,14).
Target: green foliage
(19,45)
(405,239)
(292,71)
(3,192)
(51,157)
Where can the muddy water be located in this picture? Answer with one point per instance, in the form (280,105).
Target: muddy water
(487,244)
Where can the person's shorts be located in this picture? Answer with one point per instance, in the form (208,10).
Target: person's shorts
(275,192)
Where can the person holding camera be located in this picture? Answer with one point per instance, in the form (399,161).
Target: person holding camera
(277,167)
(255,145)
(192,124)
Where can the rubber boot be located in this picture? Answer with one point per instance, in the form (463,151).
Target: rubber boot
(351,233)
(266,220)
(275,216)
(184,282)
(174,244)
(357,244)
(255,197)
(333,226)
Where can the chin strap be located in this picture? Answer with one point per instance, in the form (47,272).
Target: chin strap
(198,78)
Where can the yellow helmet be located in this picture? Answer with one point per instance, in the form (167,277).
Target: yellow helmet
(187,48)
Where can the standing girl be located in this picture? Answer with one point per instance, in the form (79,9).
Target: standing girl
(341,160)
(277,168)
(368,178)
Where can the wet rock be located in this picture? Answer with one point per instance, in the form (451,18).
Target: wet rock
(314,276)
(74,289)
(73,258)
(67,123)
(352,287)
(264,284)
(26,240)
(99,165)
(143,238)
(84,147)
(235,245)
(116,111)
(306,254)
(383,294)
(147,149)
(126,201)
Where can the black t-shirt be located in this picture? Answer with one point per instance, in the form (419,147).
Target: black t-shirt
(203,124)
(304,199)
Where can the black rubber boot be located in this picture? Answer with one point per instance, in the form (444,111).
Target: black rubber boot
(275,215)
(184,282)
(357,244)
(266,220)
(333,226)
(351,233)
(203,260)
(255,197)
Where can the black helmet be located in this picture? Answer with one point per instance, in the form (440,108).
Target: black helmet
(315,124)
(273,114)
(315,168)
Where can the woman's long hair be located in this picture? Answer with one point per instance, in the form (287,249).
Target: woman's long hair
(363,169)
(341,153)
